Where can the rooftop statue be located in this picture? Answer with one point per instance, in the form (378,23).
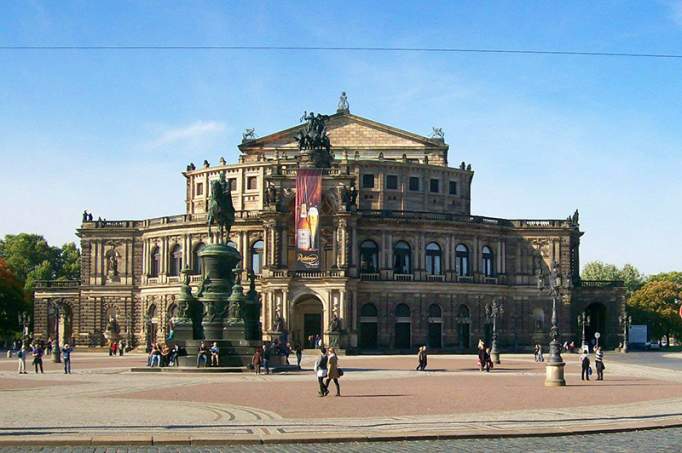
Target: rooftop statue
(220,208)
(438,133)
(343,106)
(313,139)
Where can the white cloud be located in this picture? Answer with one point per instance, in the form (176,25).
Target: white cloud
(189,133)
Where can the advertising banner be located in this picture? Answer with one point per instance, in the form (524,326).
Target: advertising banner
(308,198)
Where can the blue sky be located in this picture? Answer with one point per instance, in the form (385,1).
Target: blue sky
(110,131)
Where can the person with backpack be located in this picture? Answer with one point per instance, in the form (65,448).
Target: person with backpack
(585,366)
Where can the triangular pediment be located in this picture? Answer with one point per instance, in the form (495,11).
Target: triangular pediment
(347,131)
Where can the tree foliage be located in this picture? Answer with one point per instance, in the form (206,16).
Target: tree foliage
(25,259)
(629,274)
(657,304)
(31,258)
(12,301)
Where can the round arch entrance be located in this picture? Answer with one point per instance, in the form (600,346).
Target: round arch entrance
(597,313)
(307,321)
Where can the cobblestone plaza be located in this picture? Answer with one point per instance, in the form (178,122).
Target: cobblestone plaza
(383,398)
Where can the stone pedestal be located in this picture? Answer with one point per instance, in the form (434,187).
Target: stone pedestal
(183,330)
(555,374)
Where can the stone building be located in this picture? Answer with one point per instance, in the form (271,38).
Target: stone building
(405,263)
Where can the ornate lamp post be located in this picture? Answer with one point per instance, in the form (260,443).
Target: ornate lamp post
(583,321)
(554,367)
(492,311)
(625,320)
(55,311)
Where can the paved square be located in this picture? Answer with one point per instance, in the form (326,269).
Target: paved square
(382,397)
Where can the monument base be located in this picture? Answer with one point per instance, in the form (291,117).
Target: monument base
(233,353)
(555,374)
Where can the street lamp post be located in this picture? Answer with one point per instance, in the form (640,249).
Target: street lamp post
(56,351)
(554,367)
(492,311)
(583,321)
(626,321)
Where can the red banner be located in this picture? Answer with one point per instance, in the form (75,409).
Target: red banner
(308,197)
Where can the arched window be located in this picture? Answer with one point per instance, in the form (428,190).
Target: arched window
(369,257)
(434,311)
(402,311)
(402,258)
(538,318)
(463,312)
(175,260)
(368,311)
(155,262)
(196,261)
(433,259)
(257,257)
(488,269)
(462,258)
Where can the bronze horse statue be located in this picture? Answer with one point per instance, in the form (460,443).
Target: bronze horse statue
(220,208)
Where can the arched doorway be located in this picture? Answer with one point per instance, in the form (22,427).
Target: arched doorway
(307,321)
(597,313)
(368,326)
(463,326)
(435,327)
(403,327)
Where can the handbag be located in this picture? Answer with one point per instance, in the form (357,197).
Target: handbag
(340,372)
(589,371)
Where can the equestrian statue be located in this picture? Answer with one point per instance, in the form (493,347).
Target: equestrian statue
(220,208)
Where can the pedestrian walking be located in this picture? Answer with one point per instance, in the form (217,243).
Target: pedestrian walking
(482,360)
(299,355)
(333,371)
(421,358)
(599,362)
(49,346)
(267,353)
(121,348)
(66,358)
(321,371)
(21,356)
(541,357)
(257,360)
(38,358)
(584,360)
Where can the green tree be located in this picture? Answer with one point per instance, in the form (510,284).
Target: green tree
(12,301)
(675,277)
(68,266)
(31,258)
(657,304)
(629,274)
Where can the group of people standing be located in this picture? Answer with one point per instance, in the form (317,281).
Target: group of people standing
(38,350)
(163,355)
(586,369)
(116,348)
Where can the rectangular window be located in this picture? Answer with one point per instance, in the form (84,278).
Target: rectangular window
(453,187)
(200,188)
(368,181)
(414,183)
(392,182)
(233,183)
(252,183)
(434,186)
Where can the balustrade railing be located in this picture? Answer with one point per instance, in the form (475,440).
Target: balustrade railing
(600,283)
(39,284)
